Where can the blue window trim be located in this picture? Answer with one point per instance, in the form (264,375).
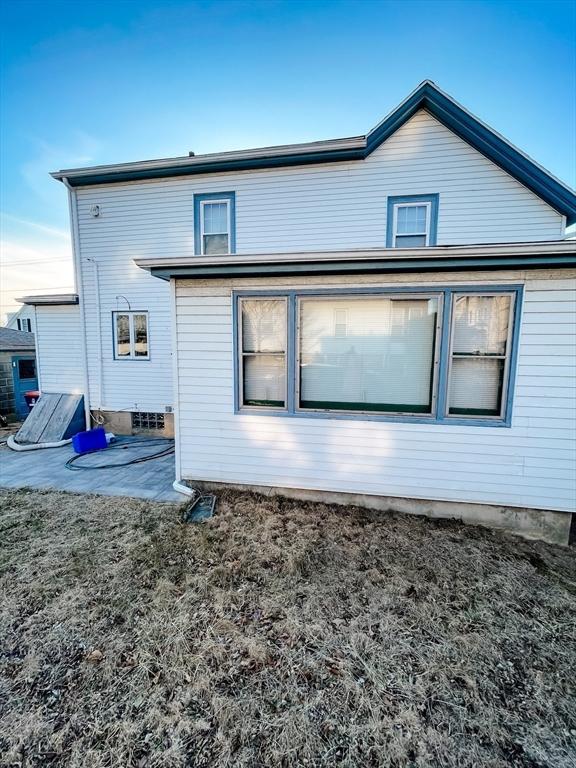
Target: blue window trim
(433,199)
(439,417)
(200,198)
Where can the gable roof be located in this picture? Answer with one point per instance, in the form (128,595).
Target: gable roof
(427,96)
(11,340)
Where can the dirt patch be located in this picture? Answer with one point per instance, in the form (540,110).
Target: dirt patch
(279,633)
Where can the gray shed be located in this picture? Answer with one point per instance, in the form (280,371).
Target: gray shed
(17,371)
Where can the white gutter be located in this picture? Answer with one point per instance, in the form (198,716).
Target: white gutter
(353,142)
(550,247)
(73,210)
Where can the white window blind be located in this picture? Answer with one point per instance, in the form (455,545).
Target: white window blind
(263,343)
(215,227)
(383,362)
(480,346)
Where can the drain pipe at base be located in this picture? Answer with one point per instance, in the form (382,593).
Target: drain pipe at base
(11,443)
(178,486)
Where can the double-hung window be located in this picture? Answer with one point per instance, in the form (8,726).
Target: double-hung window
(479,355)
(24,324)
(214,224)
(412,221)
(130,335)
(440,354)
(263,344)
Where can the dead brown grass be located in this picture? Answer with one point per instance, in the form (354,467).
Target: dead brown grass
(278,634)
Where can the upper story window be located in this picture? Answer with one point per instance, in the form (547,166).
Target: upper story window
(24,324)
(214,224)
(130,335)
(412,221)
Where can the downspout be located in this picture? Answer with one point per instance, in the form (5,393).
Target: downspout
(37,349)
(73,211)
(99,327)
(177,484)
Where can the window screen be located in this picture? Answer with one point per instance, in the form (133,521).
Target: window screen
(480,346)
(263,345)
(383,362)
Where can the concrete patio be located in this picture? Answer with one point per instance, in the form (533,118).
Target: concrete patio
(46,469)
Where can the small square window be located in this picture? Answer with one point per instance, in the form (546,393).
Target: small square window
(130,335)
(24,324)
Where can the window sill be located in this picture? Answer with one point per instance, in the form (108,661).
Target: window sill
(453,421)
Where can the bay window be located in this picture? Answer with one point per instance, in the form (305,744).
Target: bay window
(438,355)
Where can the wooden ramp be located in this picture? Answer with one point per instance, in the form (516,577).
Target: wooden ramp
(55,417)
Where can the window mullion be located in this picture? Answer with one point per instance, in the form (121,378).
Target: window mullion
(291,367)
(444,355)
(131,332)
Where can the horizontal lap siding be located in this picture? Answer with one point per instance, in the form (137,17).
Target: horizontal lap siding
(59,349)
(331,206)
(531,464)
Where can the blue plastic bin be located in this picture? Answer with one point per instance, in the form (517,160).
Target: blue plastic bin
(91,440)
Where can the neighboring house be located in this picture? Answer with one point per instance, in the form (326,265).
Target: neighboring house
(17,372)
(388,317)
(22,320)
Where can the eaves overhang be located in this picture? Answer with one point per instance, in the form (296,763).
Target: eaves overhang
(557,254)
(50,299)
(427,96)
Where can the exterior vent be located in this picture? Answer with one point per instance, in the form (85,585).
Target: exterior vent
(143,420)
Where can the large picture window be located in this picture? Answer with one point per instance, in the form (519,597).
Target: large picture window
(384,361)
(439,355)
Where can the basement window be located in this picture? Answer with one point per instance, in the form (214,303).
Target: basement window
(130,335)
(144,420)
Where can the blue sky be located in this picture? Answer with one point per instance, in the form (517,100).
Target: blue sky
(97,82)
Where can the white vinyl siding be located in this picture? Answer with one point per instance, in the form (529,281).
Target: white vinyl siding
(530,464)
(59,349)
(323,207)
